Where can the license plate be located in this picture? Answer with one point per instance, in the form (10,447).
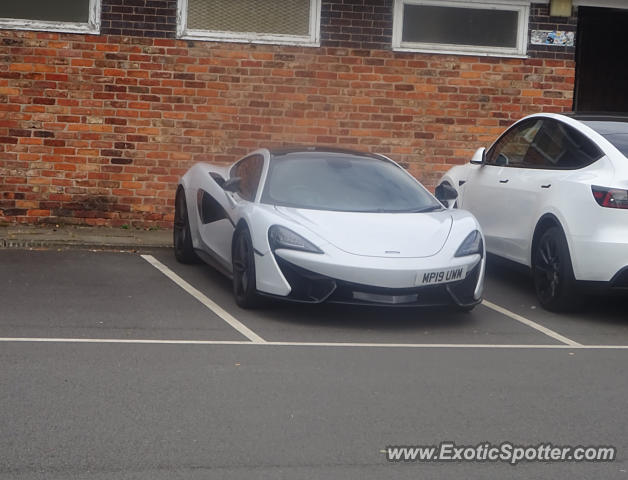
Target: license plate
(441,276)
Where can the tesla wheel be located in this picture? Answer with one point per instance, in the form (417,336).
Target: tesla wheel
(243,261)
(182,236)
(553,274)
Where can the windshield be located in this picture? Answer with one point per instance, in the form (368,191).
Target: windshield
(343,182)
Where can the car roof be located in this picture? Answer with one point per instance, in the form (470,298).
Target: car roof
(275,152)
(603,123)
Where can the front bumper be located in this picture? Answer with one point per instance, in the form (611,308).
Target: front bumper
(307,286)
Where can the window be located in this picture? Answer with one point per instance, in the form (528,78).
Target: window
(343,182)
(543,143)
(461,27)
(74,16)
(276,21)
(250,171)
(560,146)
(511,149)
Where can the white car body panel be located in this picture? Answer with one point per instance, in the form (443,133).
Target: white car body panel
(509,212)
(383,250)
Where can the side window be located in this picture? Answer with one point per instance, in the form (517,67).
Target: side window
(560,146)
(250,171)
(511,149)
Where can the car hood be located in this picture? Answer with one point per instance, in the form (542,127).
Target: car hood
(408,235)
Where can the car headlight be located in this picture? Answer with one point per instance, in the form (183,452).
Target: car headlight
(281,237)
(472,244)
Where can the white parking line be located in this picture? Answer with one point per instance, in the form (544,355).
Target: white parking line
(315,344)
(214,307)
(255,338)
(530,323)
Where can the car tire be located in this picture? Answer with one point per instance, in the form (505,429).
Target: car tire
(554,280)
(182,235)
(465,308)
(243,261)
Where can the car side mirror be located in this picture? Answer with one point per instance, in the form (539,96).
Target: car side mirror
(232,185)
(479,157)
(445,193)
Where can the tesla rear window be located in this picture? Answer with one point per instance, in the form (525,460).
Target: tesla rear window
(343,182)
(615,132)
(620,141)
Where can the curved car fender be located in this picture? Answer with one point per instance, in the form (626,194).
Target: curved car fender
(198,177)
(258,219)
(554,213)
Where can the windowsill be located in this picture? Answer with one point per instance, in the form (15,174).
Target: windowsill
(253,39)
(472,53)
(60,27)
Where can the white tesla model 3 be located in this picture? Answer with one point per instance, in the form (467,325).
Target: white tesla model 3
(552,194)
(321,225)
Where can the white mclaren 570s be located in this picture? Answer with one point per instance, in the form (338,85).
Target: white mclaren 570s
(319,225)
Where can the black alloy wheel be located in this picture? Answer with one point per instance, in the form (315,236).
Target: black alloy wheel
(243,261)
(182,236)
(553,273)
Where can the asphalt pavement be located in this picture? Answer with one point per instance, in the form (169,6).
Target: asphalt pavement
(115,369)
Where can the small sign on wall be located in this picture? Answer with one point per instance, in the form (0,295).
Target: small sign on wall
(558,38)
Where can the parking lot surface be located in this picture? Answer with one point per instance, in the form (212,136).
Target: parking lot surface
(130,365)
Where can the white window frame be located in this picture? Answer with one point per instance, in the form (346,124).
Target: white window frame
(521,7)
(312,39)
(92,26)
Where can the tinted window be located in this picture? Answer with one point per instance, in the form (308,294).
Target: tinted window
(615,132)
(558,145)
(250,171)
(511,149)
(343,182)
(620,141)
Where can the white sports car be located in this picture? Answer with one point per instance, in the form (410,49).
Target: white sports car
(552,194)
(320,225)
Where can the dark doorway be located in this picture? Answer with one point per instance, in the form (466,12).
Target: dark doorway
(601,60)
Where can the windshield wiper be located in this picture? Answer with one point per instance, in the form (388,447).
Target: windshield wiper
(431,208)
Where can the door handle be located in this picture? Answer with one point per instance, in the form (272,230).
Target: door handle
(504,181)
(546,186)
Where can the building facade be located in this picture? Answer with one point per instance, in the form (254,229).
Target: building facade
(105,103)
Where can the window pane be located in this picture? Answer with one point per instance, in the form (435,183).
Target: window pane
(615,132)
(560,146)
(250,171)
(287,17)
(49,10)
(460,26)
(512,147)
(620,141)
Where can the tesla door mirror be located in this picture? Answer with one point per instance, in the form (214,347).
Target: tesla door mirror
(445,193)
(218,178)
(232,185)
(479,157)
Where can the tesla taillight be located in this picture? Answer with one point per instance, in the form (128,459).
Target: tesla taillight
(610,197)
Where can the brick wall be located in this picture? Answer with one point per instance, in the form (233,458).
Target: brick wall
(96,129)
(540,19)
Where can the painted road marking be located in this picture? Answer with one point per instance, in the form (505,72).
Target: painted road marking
(530,323)
(315,344)
(213,306)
